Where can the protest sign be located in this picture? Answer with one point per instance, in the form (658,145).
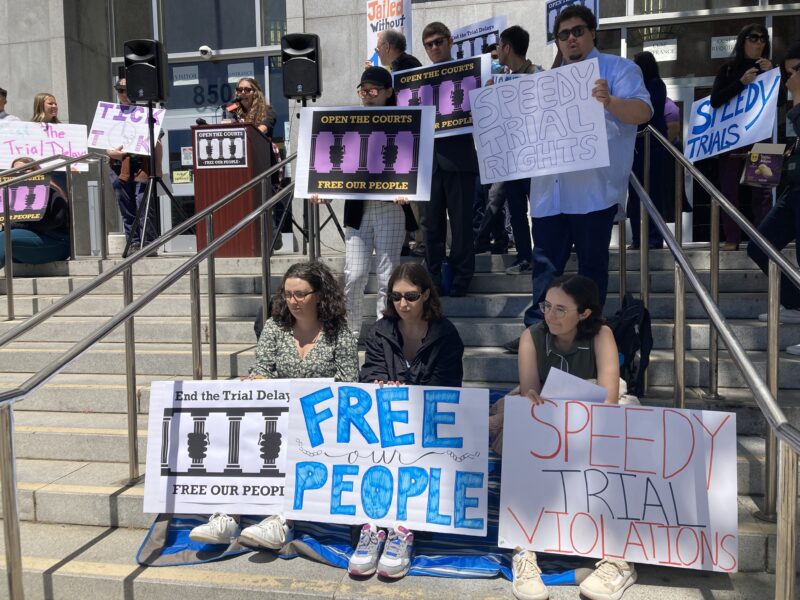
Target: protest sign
(553,7)
(643,484)
(473,40)
(540,124)
(216,446)
(40,140)
(414,454)
(116,125)
(375,153)
(27,200)
(746,119)
(221,148)
(383,15)
(445,86)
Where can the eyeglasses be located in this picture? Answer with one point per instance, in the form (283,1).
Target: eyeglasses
(755,38)
(409,296)
(247,90)
(121,90)
(558,311)
(435,43)
(299,296)
(372,92)
(577,31)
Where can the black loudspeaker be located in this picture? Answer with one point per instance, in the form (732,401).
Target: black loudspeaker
(300,54)
(146,70)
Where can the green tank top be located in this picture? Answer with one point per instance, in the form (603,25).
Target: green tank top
(579,360)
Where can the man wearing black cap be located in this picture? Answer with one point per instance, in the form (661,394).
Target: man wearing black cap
(4,116)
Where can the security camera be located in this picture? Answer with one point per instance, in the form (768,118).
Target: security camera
(206,52)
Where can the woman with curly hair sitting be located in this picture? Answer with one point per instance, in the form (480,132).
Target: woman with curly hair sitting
(307,336)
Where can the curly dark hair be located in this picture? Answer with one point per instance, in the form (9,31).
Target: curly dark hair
(586,295)
(331,309)
(575,11)
(416,274)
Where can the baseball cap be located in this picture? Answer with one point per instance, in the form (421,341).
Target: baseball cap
(376,76)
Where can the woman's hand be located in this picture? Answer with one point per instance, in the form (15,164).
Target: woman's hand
(382,383)
(749,76)
(401,200)
(315,199)
(535,398)
(764,64)
(115,153)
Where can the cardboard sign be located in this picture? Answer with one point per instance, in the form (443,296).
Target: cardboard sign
(365,153)
(217,446)
(40,140)
(383,15)
(116,125)
(540,124)
(473,40)
(385,454)
(644,484)
(446,86)
(220,148)
(748,118)
(27,201)
(763,165)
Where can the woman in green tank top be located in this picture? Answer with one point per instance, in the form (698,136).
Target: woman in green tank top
(572,338)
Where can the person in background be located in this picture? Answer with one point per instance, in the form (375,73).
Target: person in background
(42,241)
(391,49)
(4,116)
(658,155)
(414,344)
(45,108)
(782,223)
(672,117)
(306,337)
(750,59)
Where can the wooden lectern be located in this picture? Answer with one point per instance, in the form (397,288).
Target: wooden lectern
(226,156)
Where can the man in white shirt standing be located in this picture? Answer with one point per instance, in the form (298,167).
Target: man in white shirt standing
(4,116)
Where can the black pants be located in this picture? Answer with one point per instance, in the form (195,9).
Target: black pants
(452,194)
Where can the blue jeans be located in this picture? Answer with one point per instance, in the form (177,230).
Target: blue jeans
(780,226)
(555,236)
(34,248)
(130,194)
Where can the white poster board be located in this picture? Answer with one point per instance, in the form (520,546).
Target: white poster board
(40,140)
(747,118)
(645,484)
(217,446)
(540,124)
(473,39)
(116,125)
(383,15)
(414,454)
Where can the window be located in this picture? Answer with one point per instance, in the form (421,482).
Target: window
(647,7)
(132,21)
(273,21)
(190,24)
(205,84)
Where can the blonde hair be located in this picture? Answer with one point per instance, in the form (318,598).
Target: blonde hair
(258,109)
(38,108)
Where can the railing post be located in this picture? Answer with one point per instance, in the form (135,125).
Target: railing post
(102,210)
(197,351)
(312,243)
(130,379)
(317,233)
(785,560)
(8,480)
(266,254)
(679,332)
(73,239)
(623,260)
(212,301)
(644,237)
(713,338)
(9,266)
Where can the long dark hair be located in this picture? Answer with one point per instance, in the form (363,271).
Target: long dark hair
(416,274)
(331,307)
(648,64)
(738,57)
(585,294)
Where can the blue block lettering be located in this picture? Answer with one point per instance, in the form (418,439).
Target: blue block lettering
(388,417)
(354,414)
(465,480)
(434,490)
(312,417)
(411,481)
(376,492)
(309,475)
(339,485)
(432,418)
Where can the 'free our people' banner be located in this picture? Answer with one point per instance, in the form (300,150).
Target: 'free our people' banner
(747,118)
(413,454)
(644,484)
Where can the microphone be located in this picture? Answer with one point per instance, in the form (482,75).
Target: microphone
(235,103)
(201,121)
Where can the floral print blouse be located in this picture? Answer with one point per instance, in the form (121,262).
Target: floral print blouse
(332,355)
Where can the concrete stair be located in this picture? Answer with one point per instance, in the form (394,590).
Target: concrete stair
(82,523)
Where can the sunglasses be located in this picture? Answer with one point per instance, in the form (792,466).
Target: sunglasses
(755,38)
(121,90)
(409,296)
(435,43)
(299,296)
(577,31)
(371,93)
(247,90)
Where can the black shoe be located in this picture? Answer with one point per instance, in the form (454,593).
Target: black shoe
(458,292)
(482,248)
(405,250)
(633,246)
(497,249)
(512,346)
(418,251)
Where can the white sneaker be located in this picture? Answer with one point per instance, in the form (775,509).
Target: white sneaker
(220,529)
(396,558)
(364,560)
(272,533)
(609,580)
(795,349)
(785,315)
(527,583)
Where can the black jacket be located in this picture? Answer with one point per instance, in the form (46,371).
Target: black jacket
(405,61)
(728,83)
(438,361)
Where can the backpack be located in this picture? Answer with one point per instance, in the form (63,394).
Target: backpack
(634,337)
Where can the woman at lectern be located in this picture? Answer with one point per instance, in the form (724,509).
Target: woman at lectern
(252,106)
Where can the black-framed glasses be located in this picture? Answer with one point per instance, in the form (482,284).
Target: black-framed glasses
(435,43)
(577,31)
(371,93)
(409,296)
(558,311)
(299,296)
(755,38)
(247,90)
